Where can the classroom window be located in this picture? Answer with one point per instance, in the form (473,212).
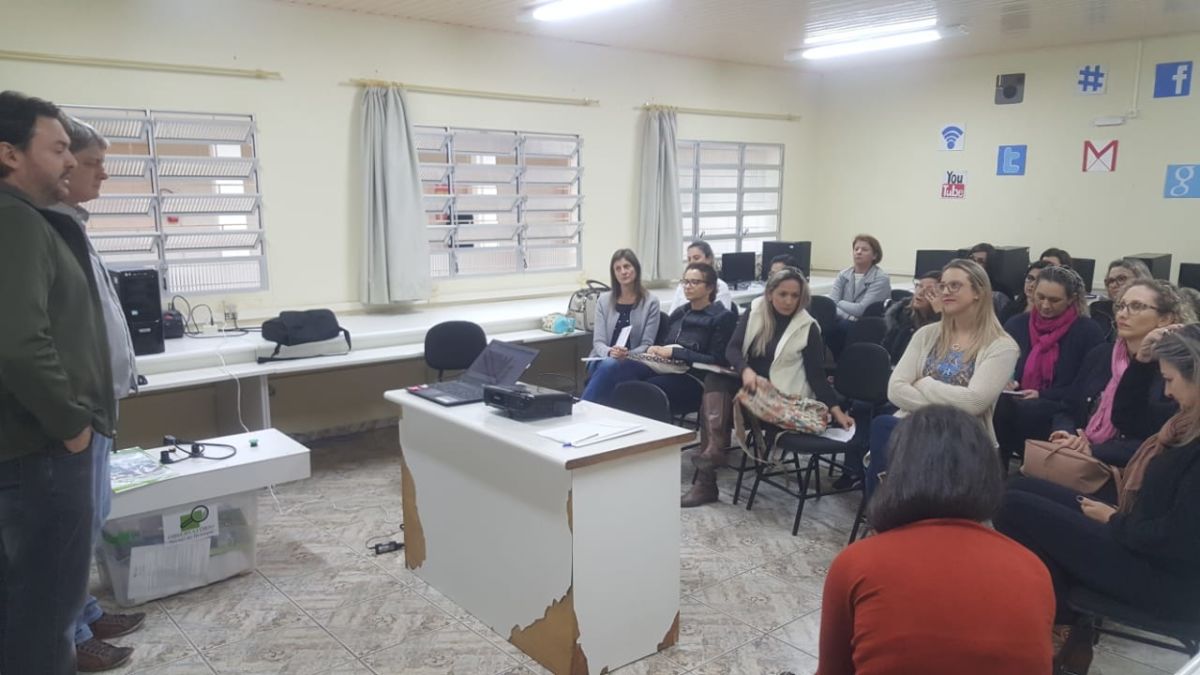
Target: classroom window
(500,202)
(730,194)
(182,197)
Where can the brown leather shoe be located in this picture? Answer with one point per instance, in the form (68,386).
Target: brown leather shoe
(110,626)
(96,656)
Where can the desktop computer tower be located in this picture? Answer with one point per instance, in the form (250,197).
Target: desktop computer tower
(141,303)
(1189,275)
(931,260)
(800,250)
(1006,267)
(1086,269)
(1159,264)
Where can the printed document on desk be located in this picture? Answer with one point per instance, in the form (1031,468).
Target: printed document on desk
(836,433)
(588,433)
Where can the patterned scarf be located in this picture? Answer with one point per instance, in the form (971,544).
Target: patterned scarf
(1175,430)
(1100,427)
(1044,336)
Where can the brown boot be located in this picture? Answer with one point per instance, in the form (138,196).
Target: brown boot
(1075,657)
(703,491)
(716,412)
(95,656)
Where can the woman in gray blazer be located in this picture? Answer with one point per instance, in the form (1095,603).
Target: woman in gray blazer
(858,287)
(628,305)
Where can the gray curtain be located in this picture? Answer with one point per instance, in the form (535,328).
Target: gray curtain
(396,255)
(660,232)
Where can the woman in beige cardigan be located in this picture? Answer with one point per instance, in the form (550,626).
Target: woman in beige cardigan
(963,361)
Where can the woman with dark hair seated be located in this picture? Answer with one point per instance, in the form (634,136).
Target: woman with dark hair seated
(1144,551)
(776,341)
(698,333)
(1054,339)
(905,317)
(921,596)
(627,305)
(1024,302)
(1057,257)
(1125,413)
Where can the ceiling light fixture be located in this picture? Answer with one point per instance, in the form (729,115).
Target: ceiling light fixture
(563,10)
(831,36)
(875,44)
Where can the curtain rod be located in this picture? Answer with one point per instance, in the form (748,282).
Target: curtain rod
(60,59)
(783,117)
(472,93)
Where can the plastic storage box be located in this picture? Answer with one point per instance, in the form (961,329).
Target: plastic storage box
(160,553)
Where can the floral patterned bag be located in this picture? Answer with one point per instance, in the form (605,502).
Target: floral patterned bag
(792,413)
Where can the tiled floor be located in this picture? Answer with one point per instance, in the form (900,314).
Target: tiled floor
(320,603)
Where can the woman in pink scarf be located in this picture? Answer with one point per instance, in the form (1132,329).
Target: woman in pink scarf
(1054,338)
(1117,425)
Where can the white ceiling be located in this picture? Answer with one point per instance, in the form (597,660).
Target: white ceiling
(761,31)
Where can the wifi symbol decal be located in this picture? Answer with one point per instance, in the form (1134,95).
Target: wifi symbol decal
(953,137)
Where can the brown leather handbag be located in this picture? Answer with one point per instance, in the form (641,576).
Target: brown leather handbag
(1066,467)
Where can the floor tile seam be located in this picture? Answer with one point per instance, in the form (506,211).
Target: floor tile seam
(187,638)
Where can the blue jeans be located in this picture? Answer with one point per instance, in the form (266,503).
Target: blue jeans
(609,374)
(881,433)
(46,520)
(102,502)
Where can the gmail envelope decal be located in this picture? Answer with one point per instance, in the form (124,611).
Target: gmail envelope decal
(1103,159)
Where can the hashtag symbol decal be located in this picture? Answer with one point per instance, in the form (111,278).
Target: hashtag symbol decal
(1091,79)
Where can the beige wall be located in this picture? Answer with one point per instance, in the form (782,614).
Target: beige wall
(880,167)
(309,123)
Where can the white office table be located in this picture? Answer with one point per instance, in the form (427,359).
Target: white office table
(572,553)
(277,459)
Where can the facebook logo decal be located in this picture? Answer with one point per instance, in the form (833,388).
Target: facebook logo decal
(1010,161)
(1173,79)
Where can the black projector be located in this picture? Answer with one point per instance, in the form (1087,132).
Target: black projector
(528,402)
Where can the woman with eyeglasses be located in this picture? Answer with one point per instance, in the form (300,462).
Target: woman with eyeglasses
(921,596)
(701,251)
(777,341)
(1144,549)
(965,360)
(1125,413)
(1024,302)
(905,317)
(1121,273)
(1054,338)
(698,333)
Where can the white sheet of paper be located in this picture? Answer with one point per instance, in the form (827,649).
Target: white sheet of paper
(623,338)
(835,433)
(587,433)
(151,568)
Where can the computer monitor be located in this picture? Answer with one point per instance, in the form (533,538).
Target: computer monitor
(738,268)
(1189,275)
(933,260)
(801,251)
(1158,263)
(1006,267)
(1086,269)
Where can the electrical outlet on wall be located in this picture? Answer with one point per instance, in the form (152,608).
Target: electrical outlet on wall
(231,314)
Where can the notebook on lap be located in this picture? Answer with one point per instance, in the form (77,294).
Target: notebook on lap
(499,363)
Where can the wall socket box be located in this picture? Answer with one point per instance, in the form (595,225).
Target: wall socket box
(231,314)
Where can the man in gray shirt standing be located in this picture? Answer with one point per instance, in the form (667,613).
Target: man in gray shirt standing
(94,625)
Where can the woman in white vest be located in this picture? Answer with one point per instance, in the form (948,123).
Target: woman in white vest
(776,341)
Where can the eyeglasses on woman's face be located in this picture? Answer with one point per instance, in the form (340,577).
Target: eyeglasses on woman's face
(692,282)
(1133,307)
(951,287)
(1116,280)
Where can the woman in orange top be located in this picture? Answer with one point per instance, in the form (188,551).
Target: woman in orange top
(921,597)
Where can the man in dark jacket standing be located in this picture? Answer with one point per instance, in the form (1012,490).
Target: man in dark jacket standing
(56,394)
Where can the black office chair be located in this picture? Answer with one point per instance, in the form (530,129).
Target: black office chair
(862,375)
(824,310)
(453,345)
(874,309)
(644,399)
(1106,317)
(870,329)
(664,325)
(899,294)
(1095,607)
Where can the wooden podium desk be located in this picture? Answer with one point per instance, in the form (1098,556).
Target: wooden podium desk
(572,553)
